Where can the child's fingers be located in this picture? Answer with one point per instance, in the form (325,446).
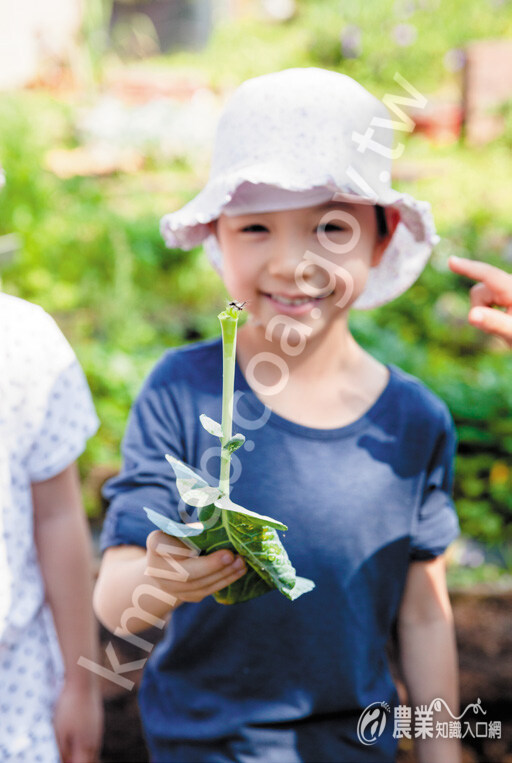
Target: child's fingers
(496,280)
(207,571)
(210,564)
(84,755)
(166,555)
(481,296)
(492,322)
(64,744)
(218,585)
(495,288)
(197,584)
(170,559)
(183,571)
(160,544)
(205,575)
(479,271)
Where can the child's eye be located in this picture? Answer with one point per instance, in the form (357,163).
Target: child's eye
(256,228)
(329,227)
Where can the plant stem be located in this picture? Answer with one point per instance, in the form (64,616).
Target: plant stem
(228,321)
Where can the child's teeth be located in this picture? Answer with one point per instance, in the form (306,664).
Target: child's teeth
(286,301)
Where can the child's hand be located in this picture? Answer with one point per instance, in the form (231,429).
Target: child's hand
(495,288)
(184,574)
(78,723)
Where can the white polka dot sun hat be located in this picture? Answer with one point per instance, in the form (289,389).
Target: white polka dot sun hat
(300,137)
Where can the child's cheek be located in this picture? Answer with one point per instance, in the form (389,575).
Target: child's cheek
(237,289)
(351,280)
(230,279)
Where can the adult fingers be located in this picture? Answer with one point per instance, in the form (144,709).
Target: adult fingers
(495,279)
(492,322)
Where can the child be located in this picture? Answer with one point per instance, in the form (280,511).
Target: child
(47,701)
(354,456)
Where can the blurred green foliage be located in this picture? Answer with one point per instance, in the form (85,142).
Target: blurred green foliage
(425,333)
(247,47)
(92,254)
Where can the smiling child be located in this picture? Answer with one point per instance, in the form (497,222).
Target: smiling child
(353,455)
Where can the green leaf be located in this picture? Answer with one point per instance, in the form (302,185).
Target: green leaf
(252,535)
(201,496)
(302,585)
(211,426)
(262,549)
(186,479)
(214,537)
(170,527)
(250,586)
(184,472)
(268,564)
(236,442)
(227,504)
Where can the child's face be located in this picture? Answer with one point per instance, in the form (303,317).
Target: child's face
(264,256)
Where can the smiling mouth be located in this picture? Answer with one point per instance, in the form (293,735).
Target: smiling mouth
(299,300)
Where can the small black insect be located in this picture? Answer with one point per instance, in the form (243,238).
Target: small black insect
(238,305)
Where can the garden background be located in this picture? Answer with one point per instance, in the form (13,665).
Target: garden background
(98,147)
(88,246)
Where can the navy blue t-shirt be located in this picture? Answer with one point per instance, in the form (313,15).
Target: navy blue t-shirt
(270,680)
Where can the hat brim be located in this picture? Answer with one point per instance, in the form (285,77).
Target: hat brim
(401,264)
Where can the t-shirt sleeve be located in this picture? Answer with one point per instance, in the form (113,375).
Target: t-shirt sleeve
(61,406)
(436,524)
(146,479)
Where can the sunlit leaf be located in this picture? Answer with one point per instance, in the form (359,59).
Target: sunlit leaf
(211,426)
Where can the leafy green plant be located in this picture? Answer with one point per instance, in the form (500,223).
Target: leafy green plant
(223,523)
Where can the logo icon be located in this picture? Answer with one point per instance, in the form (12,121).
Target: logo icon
(372,722)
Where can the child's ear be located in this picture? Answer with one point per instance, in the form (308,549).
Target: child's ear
(392,220)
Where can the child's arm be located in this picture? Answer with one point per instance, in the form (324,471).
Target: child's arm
(428,652)
(62,539)
(154,581)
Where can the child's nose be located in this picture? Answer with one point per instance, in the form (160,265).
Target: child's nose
(286,256)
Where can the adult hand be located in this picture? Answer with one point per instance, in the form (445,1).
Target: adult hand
(494,288)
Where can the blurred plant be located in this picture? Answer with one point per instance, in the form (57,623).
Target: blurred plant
(136,37)
(405,34)
(351,41)
(504,110)
(95,35)
(425,333)
(279,10)
(454,60)
(473,562)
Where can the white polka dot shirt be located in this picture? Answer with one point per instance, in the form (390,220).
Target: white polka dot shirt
(46,417)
